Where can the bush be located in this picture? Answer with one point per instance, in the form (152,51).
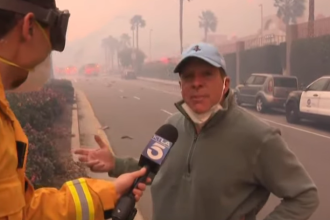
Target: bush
(37,112)
(125,58)
(42,161)
(40,109)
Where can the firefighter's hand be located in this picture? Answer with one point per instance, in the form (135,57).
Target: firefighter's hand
(124,182)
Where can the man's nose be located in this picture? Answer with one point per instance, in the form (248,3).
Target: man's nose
(197,82)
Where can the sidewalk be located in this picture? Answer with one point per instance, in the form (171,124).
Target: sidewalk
(84,126)
(164,81)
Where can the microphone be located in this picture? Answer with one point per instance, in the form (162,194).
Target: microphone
(152,157)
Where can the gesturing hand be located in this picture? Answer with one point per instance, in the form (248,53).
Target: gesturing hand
(98,159)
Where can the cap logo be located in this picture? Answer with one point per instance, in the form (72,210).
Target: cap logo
(196,48)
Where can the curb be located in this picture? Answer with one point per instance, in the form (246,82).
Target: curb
(98,126)
(89,125)
(75,134)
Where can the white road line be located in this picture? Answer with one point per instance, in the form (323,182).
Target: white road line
(164,91)
(284,125)
(136,97)
(167,112)
(297,129)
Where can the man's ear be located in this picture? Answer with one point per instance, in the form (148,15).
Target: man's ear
(180,85)
(28,26)
(227,84)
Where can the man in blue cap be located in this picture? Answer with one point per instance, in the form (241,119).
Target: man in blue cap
(226,162)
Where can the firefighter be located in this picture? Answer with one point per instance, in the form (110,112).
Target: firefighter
(29,31)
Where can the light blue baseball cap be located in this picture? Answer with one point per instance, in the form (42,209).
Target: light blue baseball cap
(203,51)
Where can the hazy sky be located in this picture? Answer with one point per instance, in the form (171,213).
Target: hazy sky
(240,17)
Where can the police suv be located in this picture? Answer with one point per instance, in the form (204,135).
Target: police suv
(311,103)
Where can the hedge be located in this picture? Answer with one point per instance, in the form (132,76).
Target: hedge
(37,112)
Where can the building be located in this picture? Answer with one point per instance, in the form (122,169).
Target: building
(273,32)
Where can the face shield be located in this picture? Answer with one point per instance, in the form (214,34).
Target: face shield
(56,20)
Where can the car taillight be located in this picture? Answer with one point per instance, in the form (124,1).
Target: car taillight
(270,86)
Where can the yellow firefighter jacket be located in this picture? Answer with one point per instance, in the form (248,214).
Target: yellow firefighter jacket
(81,199)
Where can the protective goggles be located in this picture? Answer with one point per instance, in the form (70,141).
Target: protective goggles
(56,20)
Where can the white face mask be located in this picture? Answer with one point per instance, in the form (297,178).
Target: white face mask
(200,119)
(37,77)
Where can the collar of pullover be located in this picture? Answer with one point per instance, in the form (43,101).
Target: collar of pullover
(217,117)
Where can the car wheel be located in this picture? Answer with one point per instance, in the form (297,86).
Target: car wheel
(292,112)
(260,105)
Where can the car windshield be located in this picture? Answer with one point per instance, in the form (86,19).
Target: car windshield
(285,82)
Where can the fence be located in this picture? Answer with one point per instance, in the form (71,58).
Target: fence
(270,39)
(319,28)
(273,53)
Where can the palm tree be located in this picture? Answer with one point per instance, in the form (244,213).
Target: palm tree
(132,29)
(311,10)
(125,40)
(311,18)
(112,45)
(290,10)
(105,47)
(208,21)
(181,24)
(138,22)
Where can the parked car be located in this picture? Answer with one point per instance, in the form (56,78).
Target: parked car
(265,90)
(311,103)
(71,70)
(128,74)
(59,71)
(91,69)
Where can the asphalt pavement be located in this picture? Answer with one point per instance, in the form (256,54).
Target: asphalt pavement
(135,109)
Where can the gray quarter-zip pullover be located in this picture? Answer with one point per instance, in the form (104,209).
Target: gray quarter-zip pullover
(228,171)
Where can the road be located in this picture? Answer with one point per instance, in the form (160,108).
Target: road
(137,108)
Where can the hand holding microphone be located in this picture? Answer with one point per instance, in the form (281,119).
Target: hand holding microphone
(151,159)
(124,182)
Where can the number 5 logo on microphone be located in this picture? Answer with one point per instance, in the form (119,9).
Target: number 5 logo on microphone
(155,152)
(157,149)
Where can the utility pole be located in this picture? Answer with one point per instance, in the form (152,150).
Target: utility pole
(311,18)
(261,22)
(150,33)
